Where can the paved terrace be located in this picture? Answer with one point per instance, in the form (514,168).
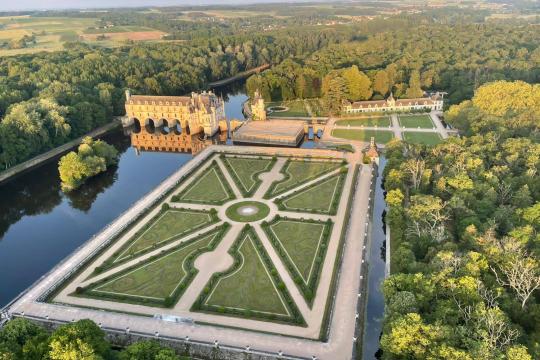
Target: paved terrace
(342,325)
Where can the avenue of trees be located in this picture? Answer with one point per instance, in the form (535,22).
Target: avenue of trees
(454,58)
(21,339)
(92,157)
(465,234)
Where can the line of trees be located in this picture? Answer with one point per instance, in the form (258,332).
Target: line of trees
(22,339)
(465,233)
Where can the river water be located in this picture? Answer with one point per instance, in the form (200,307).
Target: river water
(377,264)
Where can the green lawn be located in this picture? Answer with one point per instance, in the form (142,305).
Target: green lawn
(320,198)
(245,172)
(250,287)
(381,136)
(171,224)
(422,138)
(298,172)
(296,109)
(416,121)
(159,278)
(300,240)
(208,188)
(366,121)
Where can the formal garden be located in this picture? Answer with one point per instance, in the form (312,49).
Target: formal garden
(223,233)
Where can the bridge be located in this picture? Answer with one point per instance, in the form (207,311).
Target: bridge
(238,76)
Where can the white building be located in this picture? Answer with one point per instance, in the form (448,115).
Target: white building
(433,102)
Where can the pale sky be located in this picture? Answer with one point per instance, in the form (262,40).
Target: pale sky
(10,5)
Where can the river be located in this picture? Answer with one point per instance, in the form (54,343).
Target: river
(377,263)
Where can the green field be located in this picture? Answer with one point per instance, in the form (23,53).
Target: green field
(210,187)
(159,278)
(296,108)
(52,32)
(367,121)
(245,172)
(170,224)
(381,136)
(301,244)
(422,138)
(298,172)
(322,197)
(250,287)
(416,121)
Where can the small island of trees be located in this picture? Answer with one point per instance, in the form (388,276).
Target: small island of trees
(91,158)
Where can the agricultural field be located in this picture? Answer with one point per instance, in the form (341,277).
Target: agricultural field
(50,33)
(242,236)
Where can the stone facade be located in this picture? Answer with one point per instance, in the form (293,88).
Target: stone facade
(258,111)
(200,112)
(433,102)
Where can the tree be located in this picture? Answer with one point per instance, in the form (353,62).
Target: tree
(522,274)
(358,84)
(147,350)
(335,92)
(381,83)
(414,90)
(92,158)
(410,338)
(82,340)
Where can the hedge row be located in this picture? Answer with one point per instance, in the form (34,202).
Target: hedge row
(335,200)
(308,290)
(110,262)
(200,304)
(254,176)
(270,192)
(173,298)
(230,193)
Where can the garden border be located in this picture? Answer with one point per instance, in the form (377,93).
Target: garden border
(183,284)
(254,176)
(201,306)
(308,290)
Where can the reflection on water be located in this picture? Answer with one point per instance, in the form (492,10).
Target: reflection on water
(164,140)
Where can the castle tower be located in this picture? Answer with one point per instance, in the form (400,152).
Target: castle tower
(372,152)
(257,107)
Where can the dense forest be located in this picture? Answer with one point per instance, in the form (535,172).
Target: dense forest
(22,339)
(456,59)
(465,220)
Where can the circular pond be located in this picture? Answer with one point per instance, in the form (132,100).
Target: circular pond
(247,211)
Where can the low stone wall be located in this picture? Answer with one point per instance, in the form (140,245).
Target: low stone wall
(186,347)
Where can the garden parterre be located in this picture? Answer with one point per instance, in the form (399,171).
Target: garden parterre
(189,256)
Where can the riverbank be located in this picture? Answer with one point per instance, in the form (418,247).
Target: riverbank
(43,158)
